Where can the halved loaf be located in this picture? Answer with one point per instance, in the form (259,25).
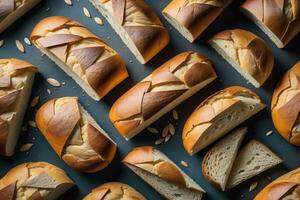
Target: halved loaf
(11,10)
(137,25)
(191,17)
(167,86)
(246,52)
(34,181)
(114,191)
(217,115)
(74,135)
(16,80)
(280,20)
(218,162)
(162,174)
(95,66)
(252,159)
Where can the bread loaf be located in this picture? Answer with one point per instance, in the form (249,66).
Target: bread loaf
(217,115)
(246,52)
(95,66)
(137,25)
(286,187)
(11,10)
(280,20)
(34,181)
(191,17)
(160,92)
(74,135)
(16,80)
(114,190)
(286,105)
(162,174)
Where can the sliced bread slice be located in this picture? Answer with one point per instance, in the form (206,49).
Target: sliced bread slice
(253,159)
(217,163)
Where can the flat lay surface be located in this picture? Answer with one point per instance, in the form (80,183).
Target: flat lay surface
(259,126)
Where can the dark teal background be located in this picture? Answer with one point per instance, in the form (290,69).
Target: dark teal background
(258,125)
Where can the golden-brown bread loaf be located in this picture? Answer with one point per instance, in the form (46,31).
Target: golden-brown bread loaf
(162,174)
(286,105)
(169,85)
(246,52)
(286,187)
(191,17)
(34,181)
(95,66)
(279,19)
(217,115)
(16,79)
(137,25)
(114,190)
(11,10)
(74,135)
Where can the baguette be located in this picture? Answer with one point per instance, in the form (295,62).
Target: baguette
(280,20)
(160,92)
(246,52)
(113,191)
(137,25)
(191,18)
(286,105)
(34,181)
(217,115)
(162,174)
(95,66)
(16,80)
(11,10)
(286,187)
(74,135)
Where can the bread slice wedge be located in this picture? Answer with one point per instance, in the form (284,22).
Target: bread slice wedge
(162,174)
(253,159)
(217,163)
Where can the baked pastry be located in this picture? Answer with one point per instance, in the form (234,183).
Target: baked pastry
(246,52)
(217,115)
(162,174)
(280,20)
(286,105)
(95,66)
(16,80)
(191,17)
(34,181)
(74,135)
(167,86)
(114,190)
(11,10)
(137,25)
(286,187)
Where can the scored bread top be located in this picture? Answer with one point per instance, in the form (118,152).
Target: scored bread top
(84,53)
(285,187)
(33,181)
(164,85)
(141,24)
(195,16)
(75,137)
(248,51)
(13,77)
(114,190)
(286,105)
(281,17)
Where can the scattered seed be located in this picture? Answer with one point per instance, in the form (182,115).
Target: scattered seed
(167,138)
(69,2)
(269,133)
(175,114)
(86,12)
(53,82)
(165,131)
(35,101)
(183,163)
(20,46)
(48,91)
(253,186)
(1,43)
(27,41)
(24,128)
(171,129)
(98,20)
(26,147)
(47,9)
(152,130)
(130,61)
(63,83)
(159,141)
(32,124)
